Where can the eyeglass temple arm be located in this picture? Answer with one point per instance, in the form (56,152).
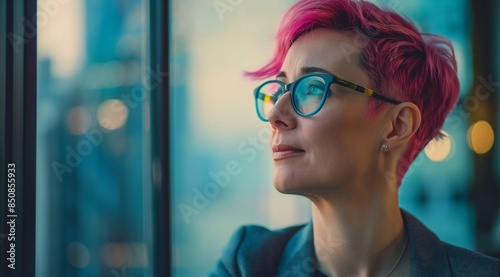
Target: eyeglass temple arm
(364,90)
(384,98)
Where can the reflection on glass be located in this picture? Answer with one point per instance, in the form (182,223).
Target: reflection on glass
(93,186)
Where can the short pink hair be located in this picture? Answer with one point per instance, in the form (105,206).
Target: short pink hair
(401,62)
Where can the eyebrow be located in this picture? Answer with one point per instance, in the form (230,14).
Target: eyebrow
(305,70)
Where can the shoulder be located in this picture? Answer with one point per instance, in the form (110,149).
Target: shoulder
(432,257)
(254,251)
(465,262)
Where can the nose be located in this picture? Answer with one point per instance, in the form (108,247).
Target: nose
(282,116)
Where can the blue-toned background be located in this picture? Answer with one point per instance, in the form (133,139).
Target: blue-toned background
(221,161)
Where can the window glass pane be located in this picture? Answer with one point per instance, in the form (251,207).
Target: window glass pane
(93,186)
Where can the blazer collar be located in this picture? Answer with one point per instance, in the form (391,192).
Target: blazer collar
(298,257)
(428,255)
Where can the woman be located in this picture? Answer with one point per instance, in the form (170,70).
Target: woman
(358,94)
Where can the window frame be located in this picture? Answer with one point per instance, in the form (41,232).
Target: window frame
(160,132)
(18,100)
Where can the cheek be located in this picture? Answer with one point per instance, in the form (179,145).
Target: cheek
(333,146)
(334,131)
(341,140)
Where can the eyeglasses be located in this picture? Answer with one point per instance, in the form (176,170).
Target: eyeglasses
(308,93)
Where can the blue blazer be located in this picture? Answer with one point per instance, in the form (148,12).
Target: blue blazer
(258,252)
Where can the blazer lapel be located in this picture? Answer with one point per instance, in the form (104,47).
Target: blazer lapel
(298,258)
(428,254)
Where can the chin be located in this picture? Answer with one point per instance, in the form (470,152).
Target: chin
(289,187)
(282,188)
(300,185)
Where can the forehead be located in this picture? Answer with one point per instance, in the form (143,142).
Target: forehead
(336,52)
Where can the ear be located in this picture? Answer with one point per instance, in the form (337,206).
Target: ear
(404,119)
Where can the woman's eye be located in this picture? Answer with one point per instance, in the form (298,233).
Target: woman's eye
(315,88)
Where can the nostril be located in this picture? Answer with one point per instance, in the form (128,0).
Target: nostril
(278,124)
(282,114)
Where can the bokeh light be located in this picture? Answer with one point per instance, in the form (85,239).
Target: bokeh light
(77,254)
(114,255)
(119,254)
(438,149)
(78,120)
(480,137)
(112,114)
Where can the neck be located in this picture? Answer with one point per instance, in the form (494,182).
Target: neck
(358,234)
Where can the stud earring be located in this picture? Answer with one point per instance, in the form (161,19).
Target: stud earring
(384,147)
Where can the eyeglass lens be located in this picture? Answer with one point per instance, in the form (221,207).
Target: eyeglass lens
(307,95)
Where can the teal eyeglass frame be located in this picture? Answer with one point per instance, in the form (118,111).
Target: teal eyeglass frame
(329,79)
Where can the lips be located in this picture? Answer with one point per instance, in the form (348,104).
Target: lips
(282,151)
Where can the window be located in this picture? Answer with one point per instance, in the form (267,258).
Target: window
(94,189)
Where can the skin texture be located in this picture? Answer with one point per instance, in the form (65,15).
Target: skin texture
(337,163)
